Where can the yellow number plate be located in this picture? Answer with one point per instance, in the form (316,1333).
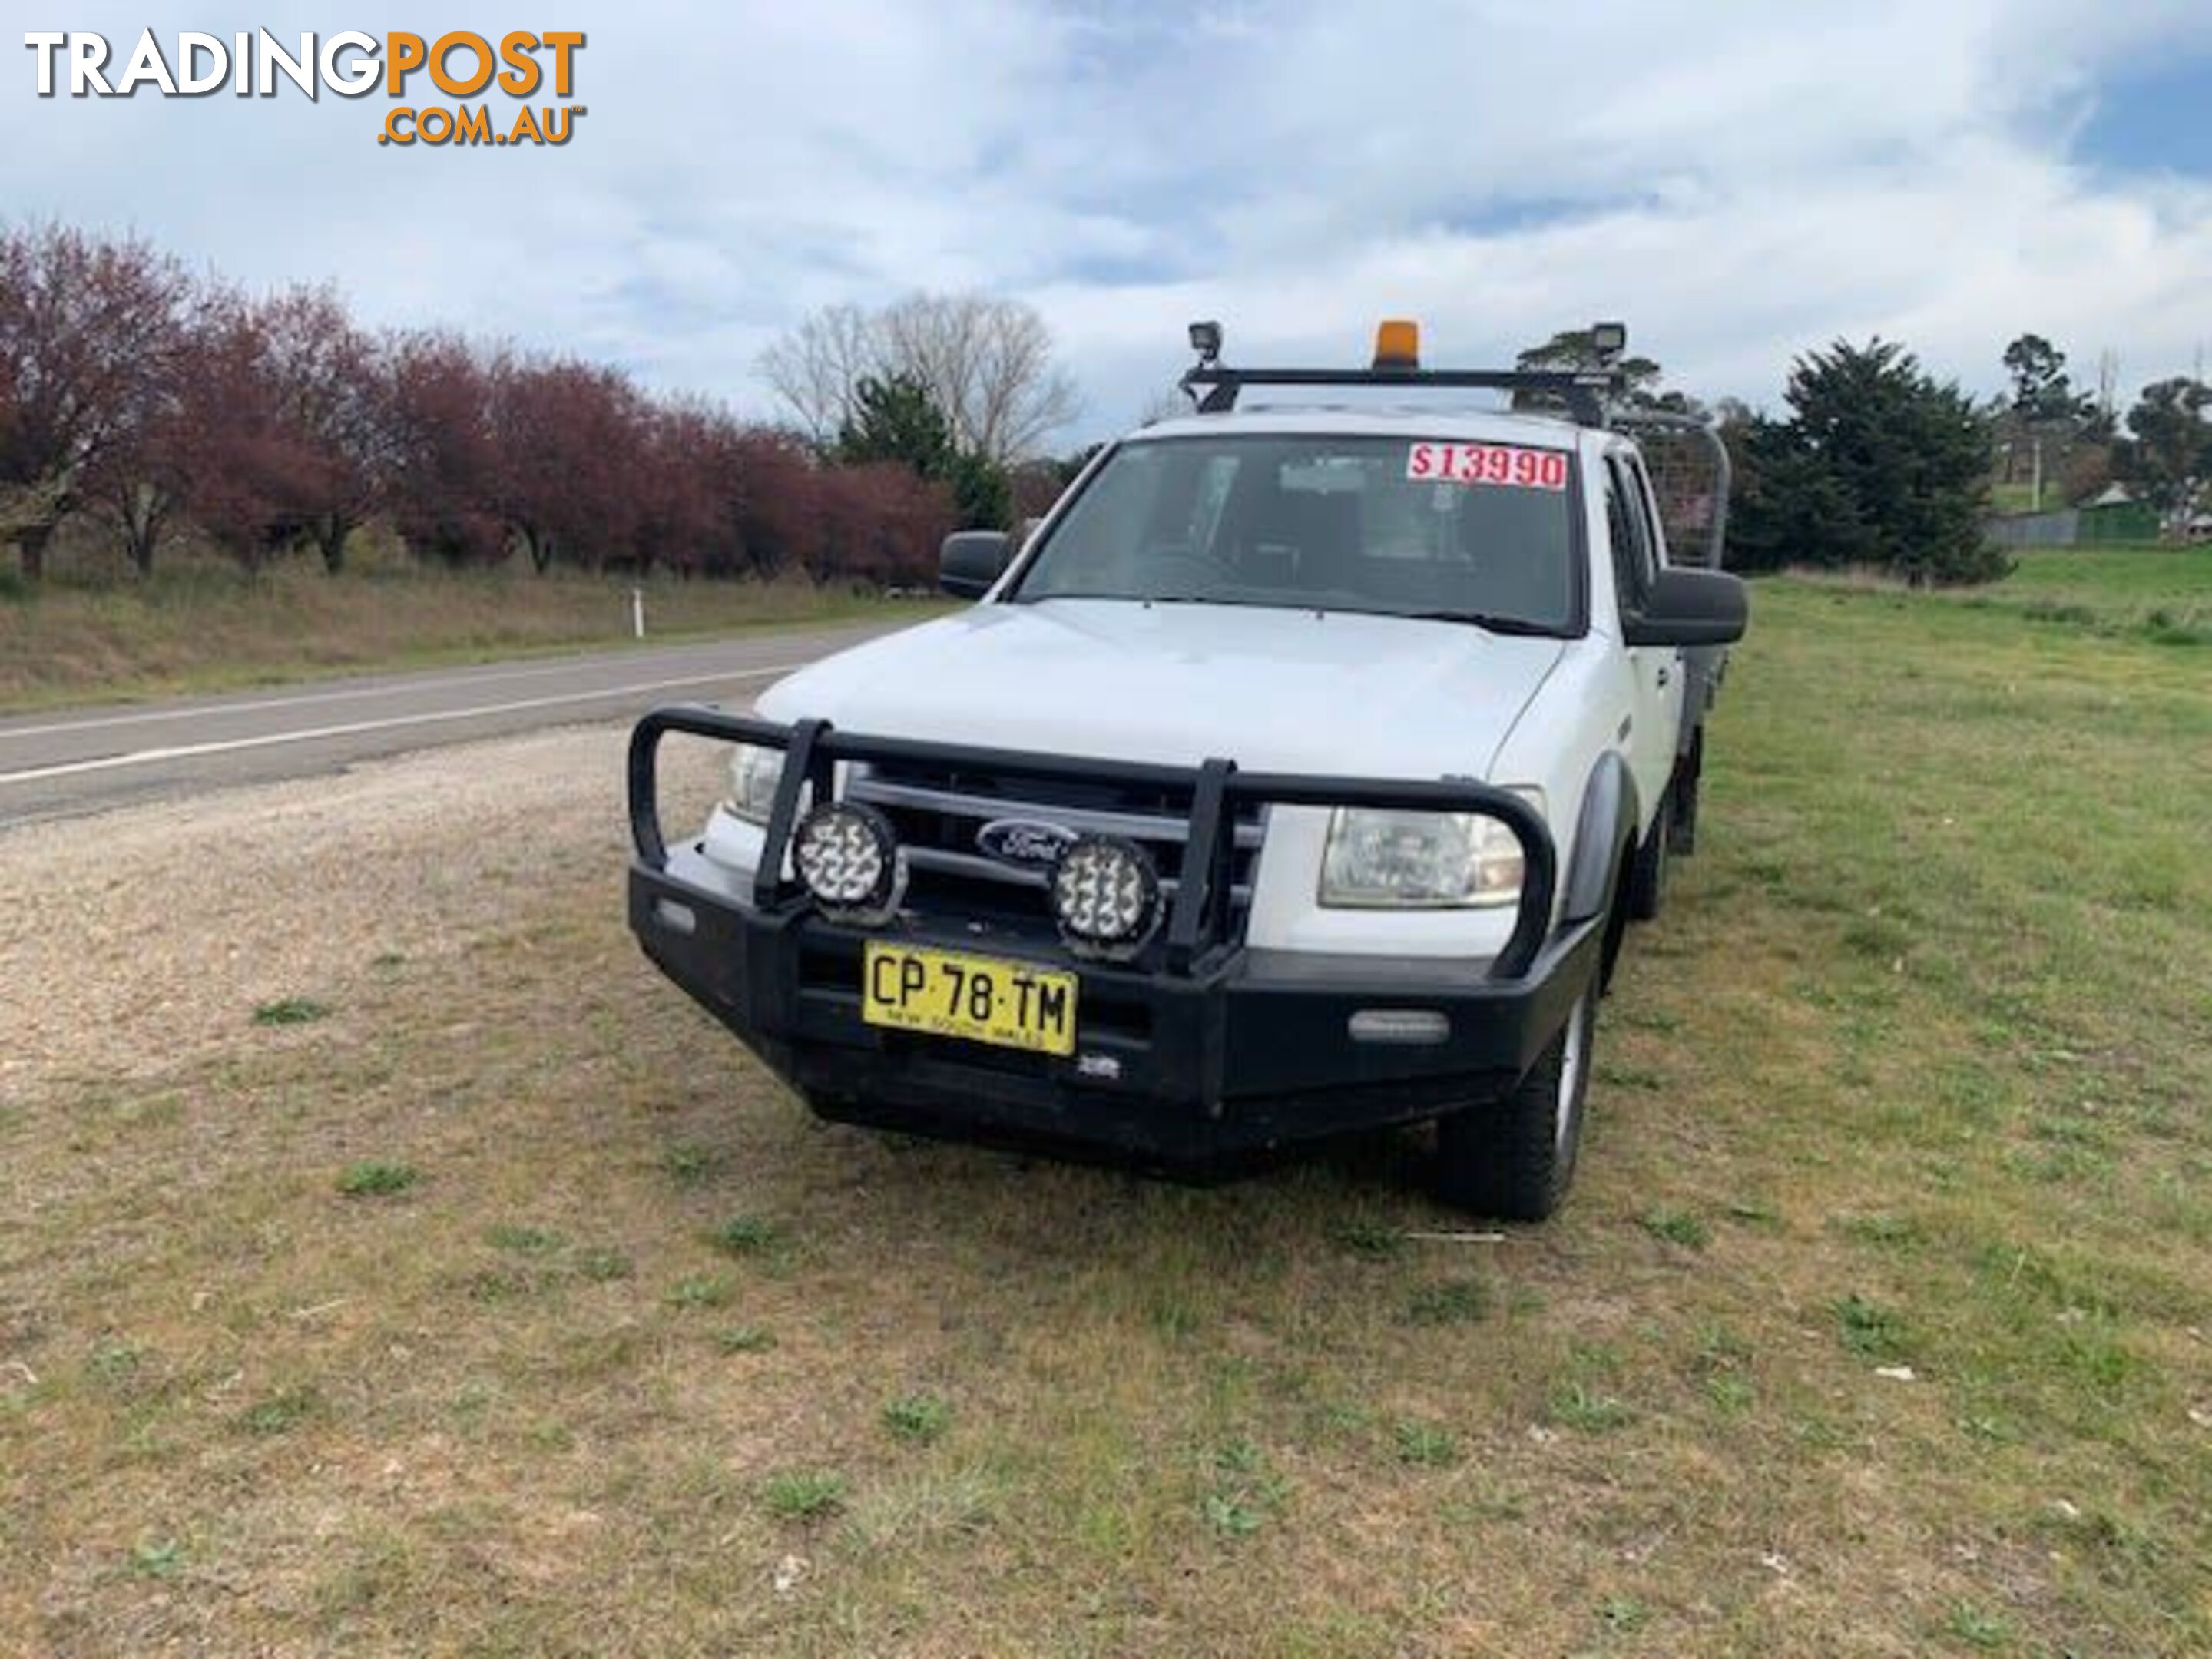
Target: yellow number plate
(1012,1005)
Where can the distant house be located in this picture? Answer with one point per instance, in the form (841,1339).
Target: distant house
(2116,516)
(2111,519)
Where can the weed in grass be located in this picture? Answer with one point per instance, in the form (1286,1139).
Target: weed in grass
(1753,1214)
(290,1010)
(2092,1351)
(1448,1302)
(1365,1236)
(1594,1358)
(1341,1418)
(164,1559)
(918,1418)
(2070,1132)
(523,1241)
(1720,1348)
(1424,1445)
(496,1284)
(602,1266)
(1730,1393)
(1244,1490)
(805,1495)
(1173,1314)
(701,1290)
(1891,1231)
(744,1338)
(2124,1546)
(1485,1503)
(1978,1629)
(281,1413)
(1676,1227)
(689,1165)
(747,1235)
(1868,1329)
(1229,1517)
(374,1179)
(472,1401)
(385,961)
(1990,1426)
(1877,937)
(1576,1404)
(1624,1615)
(114,1364)
(1614,1075)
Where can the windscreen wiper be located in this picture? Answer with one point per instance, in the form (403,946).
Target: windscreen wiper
(1519,626)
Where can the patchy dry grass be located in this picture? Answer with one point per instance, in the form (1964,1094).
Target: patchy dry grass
(202,628)
(1912,1074)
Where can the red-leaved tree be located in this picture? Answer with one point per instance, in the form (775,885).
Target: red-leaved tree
(89,334)
(445,483)
(569,442)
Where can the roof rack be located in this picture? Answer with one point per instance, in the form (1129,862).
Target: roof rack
(1214,388)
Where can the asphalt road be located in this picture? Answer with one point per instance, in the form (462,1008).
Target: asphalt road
(60,765)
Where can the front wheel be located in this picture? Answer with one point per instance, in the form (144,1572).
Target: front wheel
(1514,1160)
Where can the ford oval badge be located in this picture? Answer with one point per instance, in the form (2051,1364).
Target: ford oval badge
(1025,842)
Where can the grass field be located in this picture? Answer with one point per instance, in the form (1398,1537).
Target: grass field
(2162,593)
(208,628)
(484,1298)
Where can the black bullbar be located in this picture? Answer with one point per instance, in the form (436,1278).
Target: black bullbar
(1208,1047)
(1196,920)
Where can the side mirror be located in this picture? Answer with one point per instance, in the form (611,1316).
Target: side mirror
(972,560)
(1691,607)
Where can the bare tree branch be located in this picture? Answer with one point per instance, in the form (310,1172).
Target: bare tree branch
(987,363)
(814,368)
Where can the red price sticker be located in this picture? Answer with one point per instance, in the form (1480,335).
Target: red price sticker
(1488,463)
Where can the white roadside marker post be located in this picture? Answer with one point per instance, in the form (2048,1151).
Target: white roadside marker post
(637,613)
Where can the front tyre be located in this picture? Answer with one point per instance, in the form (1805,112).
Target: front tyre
(1514,1160)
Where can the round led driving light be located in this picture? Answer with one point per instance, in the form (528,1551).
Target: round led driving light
(849,859)
(1106,894)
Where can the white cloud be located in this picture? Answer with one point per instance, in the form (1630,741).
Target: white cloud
(1741,181)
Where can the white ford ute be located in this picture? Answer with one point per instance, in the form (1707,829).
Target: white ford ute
(1299,775)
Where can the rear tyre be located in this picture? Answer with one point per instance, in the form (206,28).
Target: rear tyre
(1647,876)
(1514,1160)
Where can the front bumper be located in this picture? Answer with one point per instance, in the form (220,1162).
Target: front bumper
(1216,1051)
(1254,1052)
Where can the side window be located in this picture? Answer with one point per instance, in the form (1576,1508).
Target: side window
(1648,493)
(1630,525)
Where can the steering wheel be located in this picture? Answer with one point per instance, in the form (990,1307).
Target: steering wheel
(1172,553)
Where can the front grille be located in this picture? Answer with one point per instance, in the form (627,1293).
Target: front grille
(938,811)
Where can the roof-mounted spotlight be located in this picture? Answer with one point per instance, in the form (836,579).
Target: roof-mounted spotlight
(1610,341)
(1205,341)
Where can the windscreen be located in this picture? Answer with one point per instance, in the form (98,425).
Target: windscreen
(1393,526)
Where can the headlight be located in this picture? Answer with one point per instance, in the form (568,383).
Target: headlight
(754,772)
(1392,860)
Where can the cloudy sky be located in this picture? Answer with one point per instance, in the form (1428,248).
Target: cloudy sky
(1738,180)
